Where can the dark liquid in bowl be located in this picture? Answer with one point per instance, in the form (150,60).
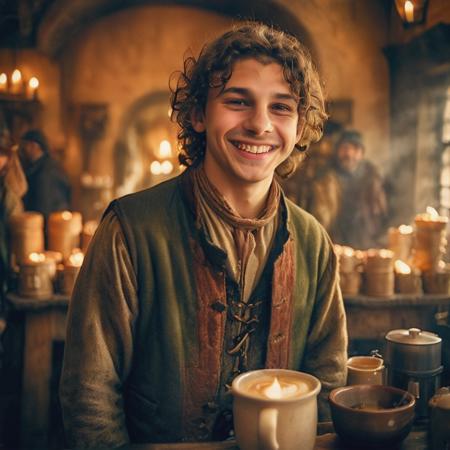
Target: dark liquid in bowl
(366,407)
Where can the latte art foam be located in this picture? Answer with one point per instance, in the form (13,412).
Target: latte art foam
(280,387)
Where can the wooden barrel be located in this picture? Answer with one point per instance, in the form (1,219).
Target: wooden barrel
(27,235)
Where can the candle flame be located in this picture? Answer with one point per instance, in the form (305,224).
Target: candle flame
(165,149)
(432,212)
(274,390)
(166,167)
(402,267)
(66,215)
(16,76)
(155,168)
(405,229)
(36,257)
(409,11)
(3,78)
(33,83)
(76,259)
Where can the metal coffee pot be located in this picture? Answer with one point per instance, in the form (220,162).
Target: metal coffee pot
(413,363)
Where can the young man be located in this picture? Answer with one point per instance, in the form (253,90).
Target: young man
(213,273)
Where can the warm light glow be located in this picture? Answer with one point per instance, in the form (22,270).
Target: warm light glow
(66,215)
(90,227)
(76,259)
(274,390)
(16,77)
(36,257)
(166,167)
(405,229)
(165,149)
(155,168)
(3,82)
(33,83)
(432,212)
(380,253)
(409,11)
(348,251)
(402,267)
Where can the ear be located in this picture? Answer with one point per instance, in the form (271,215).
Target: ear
(198,120)
(300,128)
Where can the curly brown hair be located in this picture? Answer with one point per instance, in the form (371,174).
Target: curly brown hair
(213,68)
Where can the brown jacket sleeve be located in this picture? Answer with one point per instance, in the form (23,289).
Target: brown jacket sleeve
(326,350)
(99,342)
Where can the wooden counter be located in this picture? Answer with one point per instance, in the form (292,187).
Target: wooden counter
(44,323)
(327,440)
(369,318)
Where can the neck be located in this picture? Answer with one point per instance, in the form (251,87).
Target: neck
(247,199)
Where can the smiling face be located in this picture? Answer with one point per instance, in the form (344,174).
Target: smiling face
(251,126)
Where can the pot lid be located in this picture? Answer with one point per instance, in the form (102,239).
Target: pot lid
(413,336)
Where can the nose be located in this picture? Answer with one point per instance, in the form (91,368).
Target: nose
(258,121)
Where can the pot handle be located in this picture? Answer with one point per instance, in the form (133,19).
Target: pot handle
(267,429)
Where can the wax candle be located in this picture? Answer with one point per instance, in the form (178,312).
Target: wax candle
(16,82)
(64,230)
(71,270)
(3,82)
(36,276)
(407,280)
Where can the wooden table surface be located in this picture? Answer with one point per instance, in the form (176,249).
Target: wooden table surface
(416,440)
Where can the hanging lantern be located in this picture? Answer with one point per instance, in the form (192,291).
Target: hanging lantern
(412,12)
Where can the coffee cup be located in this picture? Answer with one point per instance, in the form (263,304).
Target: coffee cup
(365,370)
(275,409)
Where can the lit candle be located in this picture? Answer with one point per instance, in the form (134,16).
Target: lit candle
(405,229)
(3,82)
(402,267)
(71,270)
(155,168)
(165,149)
(166,167)
(36,276)
(64,231)
(431,219)
(409,11)
(16,82)
(33,85)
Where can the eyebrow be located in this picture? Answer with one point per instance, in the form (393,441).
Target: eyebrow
(245,91)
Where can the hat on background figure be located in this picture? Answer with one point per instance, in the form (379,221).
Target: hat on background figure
(352,136)
(38,137)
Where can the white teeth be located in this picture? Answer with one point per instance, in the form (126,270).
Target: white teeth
(253,148)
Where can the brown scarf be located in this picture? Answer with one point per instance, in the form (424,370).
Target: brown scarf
(243,229)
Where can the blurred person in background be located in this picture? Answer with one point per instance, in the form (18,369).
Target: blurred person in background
(12,187)
(362,213)
(315,186)
(49,187)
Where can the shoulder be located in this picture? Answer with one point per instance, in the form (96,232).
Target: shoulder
(310,238)
(370,170)
(302,221)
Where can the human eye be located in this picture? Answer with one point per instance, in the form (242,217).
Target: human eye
(236,102)
(283,108)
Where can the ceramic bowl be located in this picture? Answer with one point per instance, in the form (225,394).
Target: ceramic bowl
(372,416)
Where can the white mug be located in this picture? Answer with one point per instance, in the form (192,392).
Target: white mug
(275,409)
